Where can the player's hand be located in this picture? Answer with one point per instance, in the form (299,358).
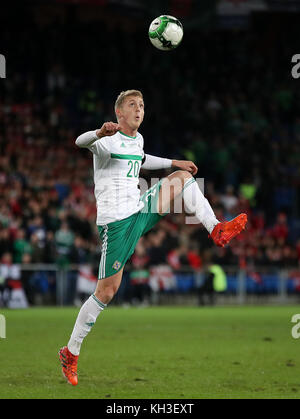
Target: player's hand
(189,166)
(108,129)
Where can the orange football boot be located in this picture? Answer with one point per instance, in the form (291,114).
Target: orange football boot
(224,232)
(69,365)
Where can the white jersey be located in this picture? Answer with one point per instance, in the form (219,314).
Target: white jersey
(117,163)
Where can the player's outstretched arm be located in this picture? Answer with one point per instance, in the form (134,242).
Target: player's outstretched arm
(155,163)
(88,138)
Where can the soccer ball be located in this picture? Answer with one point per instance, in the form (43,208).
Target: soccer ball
(166,32)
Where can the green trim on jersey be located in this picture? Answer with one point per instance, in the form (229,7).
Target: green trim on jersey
(127,135)
(125,156)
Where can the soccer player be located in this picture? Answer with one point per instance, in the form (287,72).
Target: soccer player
(123,215)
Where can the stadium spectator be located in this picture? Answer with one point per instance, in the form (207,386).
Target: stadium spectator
(64,239)
(21,246)
(12,293)
(27,278)
(213,281)
(6,243)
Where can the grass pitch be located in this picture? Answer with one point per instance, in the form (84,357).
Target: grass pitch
(152,353)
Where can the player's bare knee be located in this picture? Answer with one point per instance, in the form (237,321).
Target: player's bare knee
(182,174)
(105,296)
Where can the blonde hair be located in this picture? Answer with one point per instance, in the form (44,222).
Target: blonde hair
(123,95)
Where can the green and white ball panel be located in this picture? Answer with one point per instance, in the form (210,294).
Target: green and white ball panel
(165,32)
(173,33)
(155,24)
(158,44)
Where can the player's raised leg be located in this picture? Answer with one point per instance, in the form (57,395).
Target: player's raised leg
(87,316)
(182,182)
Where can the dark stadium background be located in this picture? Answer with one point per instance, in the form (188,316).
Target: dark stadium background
(225,99)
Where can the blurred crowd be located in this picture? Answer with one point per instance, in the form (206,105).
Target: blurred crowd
(223,99)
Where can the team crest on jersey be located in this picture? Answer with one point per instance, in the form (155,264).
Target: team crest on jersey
(116,265)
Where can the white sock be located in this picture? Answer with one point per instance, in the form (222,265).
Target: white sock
(85,321)
(195,202)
